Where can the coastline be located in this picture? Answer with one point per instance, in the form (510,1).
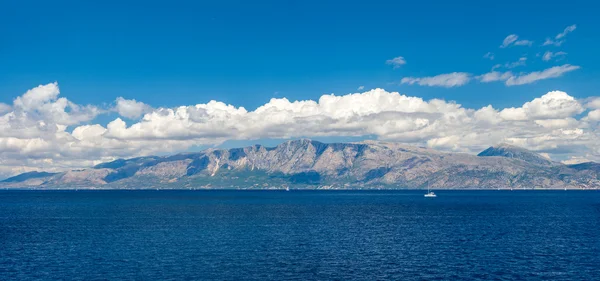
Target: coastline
(295,189)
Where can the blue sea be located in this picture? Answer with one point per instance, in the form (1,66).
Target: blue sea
(299,235)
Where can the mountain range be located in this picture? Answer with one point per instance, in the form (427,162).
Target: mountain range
(316,165)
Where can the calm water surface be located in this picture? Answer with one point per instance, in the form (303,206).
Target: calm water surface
(344,235)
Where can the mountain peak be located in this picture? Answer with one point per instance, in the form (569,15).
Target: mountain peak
(515,152)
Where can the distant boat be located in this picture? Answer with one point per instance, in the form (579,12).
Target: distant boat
(287,188)
(430,193)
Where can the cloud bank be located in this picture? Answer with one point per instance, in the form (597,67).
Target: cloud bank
(41,130)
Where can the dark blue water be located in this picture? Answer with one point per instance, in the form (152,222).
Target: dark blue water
(251,235)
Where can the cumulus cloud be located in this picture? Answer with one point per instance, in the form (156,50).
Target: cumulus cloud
(41,105)
(396,62)
(131,108)
(489,55)
(559,38)
(4,108)
(33,130)
(360,88)
(447,80)
(555,104)
(594,115)
(513,39)
(593,103)
(554,123)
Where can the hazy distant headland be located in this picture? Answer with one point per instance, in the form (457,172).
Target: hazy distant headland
(315,165)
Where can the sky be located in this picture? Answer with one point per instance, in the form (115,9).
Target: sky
(82,82)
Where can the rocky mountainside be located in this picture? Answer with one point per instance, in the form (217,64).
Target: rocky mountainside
(311,164)
(510,151)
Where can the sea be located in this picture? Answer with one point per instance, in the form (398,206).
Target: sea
(299,235)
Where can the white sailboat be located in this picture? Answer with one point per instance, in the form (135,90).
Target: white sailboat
(430,193)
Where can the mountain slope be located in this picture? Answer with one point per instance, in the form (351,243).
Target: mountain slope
(509,151)
(591,168)
(311,164)
(29,176)
(586,166)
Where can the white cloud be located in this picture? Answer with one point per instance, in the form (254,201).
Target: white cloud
(555,104)
(361,88)
(396,62)
(511,79)
(131,108)
(37,97)
(567,30)
(528,78)
(509,65)
(522,61)
(509,40)
(523,43)
(594,115)
(593,103)
(4,108)
(513,40)
(575,160)
(488,115)
(513,114)
(548,55)
(552,42)
(33,130)
(559,38)
(32,137)
(447,80)
(42,105)
(494,76)
(489,55)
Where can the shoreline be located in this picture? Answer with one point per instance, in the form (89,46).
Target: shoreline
(294,189)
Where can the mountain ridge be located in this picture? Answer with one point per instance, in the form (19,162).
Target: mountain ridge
(511,151)
(306,163)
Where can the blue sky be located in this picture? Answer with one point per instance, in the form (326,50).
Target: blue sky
(114,61)
(245,52)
